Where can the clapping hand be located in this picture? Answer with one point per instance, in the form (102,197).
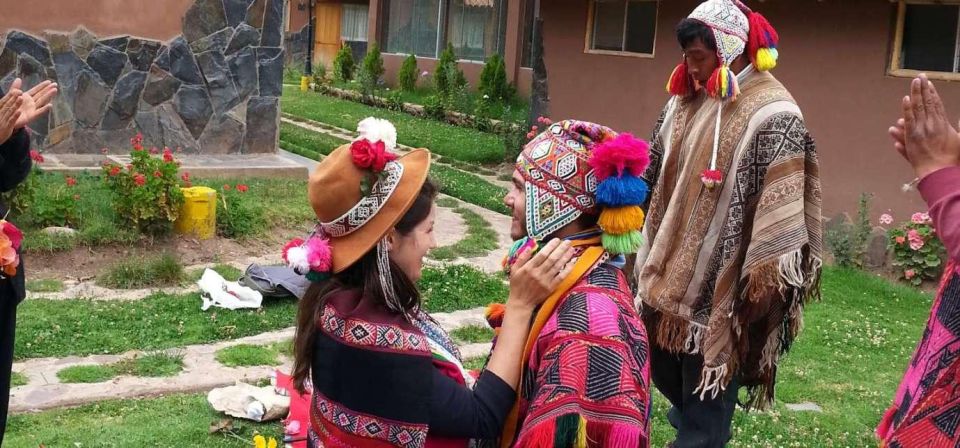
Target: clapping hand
(10,113)
(34,102)
(924,136)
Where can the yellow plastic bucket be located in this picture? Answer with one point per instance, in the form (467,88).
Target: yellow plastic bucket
(198,214)
(304,83)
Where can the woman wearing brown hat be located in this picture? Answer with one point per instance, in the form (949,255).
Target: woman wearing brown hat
(381,371)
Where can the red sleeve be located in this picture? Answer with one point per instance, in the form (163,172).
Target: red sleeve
(941,190)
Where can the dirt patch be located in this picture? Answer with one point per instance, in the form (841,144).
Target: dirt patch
(86,262)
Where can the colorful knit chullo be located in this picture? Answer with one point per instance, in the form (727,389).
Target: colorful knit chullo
(737,30)
(576,168)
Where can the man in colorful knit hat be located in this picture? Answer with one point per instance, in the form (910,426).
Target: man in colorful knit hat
(733,237)
(586,362)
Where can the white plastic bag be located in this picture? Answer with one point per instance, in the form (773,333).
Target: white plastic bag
(216,291)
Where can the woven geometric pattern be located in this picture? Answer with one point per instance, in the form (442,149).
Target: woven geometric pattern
(730,27)
(560,184)
(361,333)
(368,426)
(368,207)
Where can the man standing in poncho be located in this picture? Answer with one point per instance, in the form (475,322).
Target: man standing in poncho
(733,234)
(585,376)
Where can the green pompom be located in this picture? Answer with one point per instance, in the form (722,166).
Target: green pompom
(628,243)
(315,276)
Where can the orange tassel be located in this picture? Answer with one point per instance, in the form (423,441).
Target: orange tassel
(713,85)
(680,83)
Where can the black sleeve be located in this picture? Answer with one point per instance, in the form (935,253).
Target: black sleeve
(456,411)
(15,160)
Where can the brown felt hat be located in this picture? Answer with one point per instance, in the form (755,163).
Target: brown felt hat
(335,189)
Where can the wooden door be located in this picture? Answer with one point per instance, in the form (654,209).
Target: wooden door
(327,41)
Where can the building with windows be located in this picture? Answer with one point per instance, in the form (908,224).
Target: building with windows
(477,29)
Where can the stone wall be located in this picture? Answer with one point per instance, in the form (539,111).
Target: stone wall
(295,46)
(214,89)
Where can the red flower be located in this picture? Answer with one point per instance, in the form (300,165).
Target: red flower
(185,177)
(139,179)
(226,187)
(104,151)
(36,156)
(71,182)
(242,188)
(157,174)
(373,156)
(167,155)
(114,170)
(130,167)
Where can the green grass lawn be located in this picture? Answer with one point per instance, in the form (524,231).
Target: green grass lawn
(472,334)
(18,379)
(97,223)
(848,360)
(45,285)
(297,139)
(479,241)
(249,355)
(459,288)
(145,365)
(447,140)
(176,420)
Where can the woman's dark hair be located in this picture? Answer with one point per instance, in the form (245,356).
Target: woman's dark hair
(690,30)
(363,275)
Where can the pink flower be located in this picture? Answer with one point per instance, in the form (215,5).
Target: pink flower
(920,218)
(909,274)
(916,245)
(185,177)
(886,219)
(926,218)
(154,150)
(104,151)
(901,239)
(36,156)
(372,156)
(139,179)
(167,155)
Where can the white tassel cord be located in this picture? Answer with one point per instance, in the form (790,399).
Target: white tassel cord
(386,277)
(694,338)
(716,136)
(710,382)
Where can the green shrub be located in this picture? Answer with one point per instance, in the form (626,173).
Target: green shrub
(147,193)
(407,77)
(441,74)
(343,65)
(434,108)
(373,62)
(238,215)
(493,79)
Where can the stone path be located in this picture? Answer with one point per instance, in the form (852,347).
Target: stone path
(201,370)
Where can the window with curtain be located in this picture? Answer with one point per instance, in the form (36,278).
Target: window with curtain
(353,22)
(476,28)
(623,26)
(411,27)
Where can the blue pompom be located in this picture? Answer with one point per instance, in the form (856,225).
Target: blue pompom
(622,191)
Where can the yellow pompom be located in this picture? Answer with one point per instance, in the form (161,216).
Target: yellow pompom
(620,220)
(272,443)
(259,441)
(766,59)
